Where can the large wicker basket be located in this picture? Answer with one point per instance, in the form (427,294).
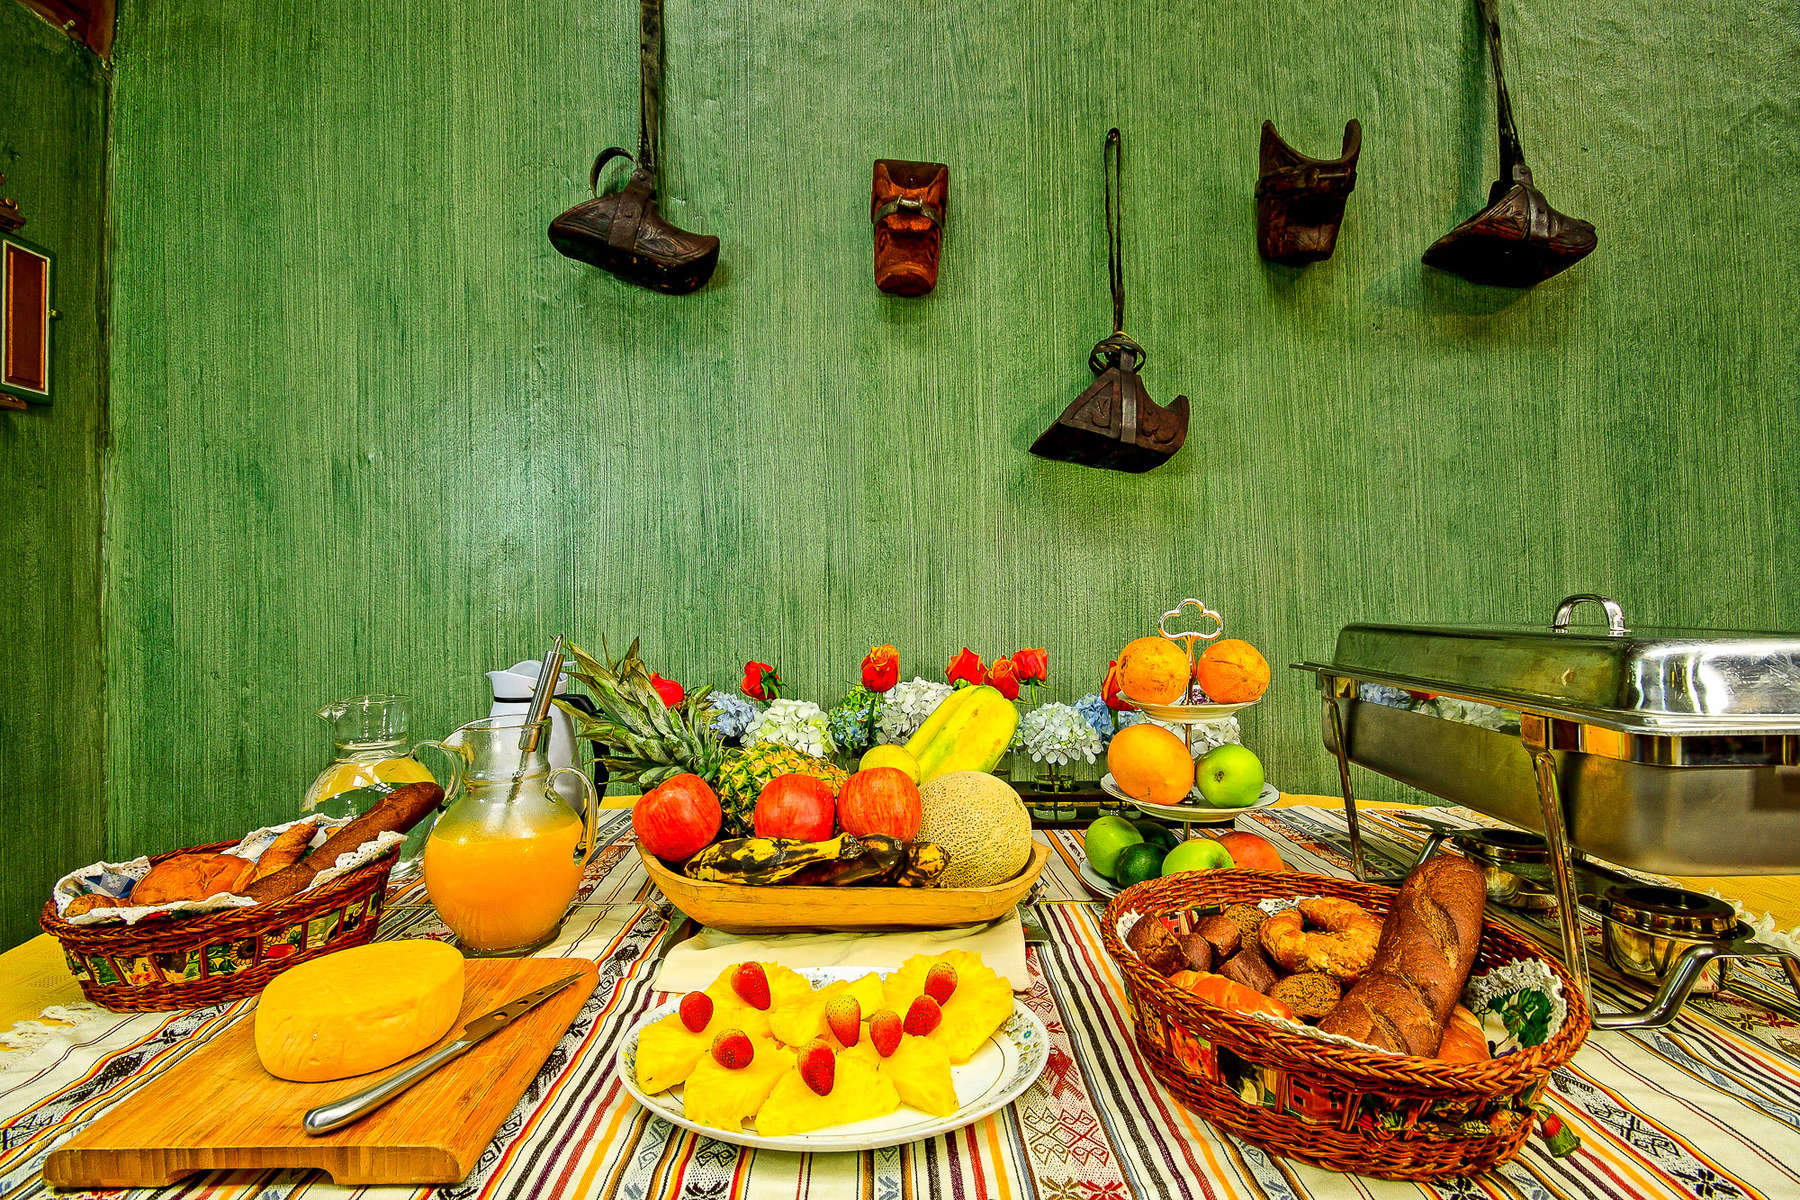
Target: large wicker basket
(1305,1097)
(190,962)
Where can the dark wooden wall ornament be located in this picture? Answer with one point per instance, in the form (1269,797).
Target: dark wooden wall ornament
(908,203)
(1300,200)
(10,216)
(1518,240)
(622,232)
(1114,424)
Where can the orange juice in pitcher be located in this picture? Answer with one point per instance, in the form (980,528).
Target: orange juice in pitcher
(503,863)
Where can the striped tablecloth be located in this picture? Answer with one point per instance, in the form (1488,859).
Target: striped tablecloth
(1709,1107)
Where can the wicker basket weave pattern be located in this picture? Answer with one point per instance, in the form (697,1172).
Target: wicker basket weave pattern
(1295,1094)
(195,961)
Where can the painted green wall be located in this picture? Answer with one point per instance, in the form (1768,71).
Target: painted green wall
(371,432)
(53,153)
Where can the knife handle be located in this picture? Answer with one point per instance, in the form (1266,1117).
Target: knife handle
(354,1107)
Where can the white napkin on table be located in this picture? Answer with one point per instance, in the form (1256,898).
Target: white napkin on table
(696,962)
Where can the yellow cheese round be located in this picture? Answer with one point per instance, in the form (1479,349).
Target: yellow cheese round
(358,1010)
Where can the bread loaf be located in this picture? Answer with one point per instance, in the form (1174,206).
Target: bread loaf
(398,811)
(286,850)
(1427,949)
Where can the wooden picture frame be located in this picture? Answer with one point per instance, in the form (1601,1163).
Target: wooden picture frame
(27,288)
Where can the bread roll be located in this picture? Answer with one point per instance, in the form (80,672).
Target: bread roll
(191,877)
(1427,949)
(286,850)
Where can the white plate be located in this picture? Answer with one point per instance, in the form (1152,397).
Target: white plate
(998,1074)
(1190,714)
(1194,810)
(1097,883)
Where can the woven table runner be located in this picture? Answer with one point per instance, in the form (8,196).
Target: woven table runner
(1709,1107)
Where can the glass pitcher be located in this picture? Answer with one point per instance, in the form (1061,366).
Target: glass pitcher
(371,756)
(504,861)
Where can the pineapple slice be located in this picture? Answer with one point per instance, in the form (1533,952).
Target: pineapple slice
(979,1006)
(919,1069)
(724,1099)
(858,1093)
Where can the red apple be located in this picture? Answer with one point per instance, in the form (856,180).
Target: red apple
(1250,852)
(677,818)
(795,806)
(881,800)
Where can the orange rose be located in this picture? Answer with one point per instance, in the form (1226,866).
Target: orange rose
(881,668)
(1004,676)
(1033,665)
(761,681)
(1110,690)
(965,668)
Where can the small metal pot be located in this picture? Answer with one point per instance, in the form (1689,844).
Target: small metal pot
(1646,929)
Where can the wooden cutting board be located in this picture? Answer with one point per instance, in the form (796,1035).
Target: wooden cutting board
(219,1110)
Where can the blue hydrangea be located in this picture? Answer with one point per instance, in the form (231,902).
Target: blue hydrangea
(733,716)
(1093,707)
(852,718)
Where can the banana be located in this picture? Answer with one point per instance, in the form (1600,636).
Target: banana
(754,860)
(925,863)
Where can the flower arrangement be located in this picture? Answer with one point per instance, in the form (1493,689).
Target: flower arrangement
(732,717)
(852,721)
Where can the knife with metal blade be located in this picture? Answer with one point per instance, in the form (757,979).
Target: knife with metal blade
(340,1113)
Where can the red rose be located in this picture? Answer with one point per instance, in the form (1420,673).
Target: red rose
(1110,689)
(1033,665)
(761,681)
(965,668)
(671,692)
(1004,676)
(881,668)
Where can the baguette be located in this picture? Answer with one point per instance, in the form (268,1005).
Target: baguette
(1427,949)
(398,811)
(285,850)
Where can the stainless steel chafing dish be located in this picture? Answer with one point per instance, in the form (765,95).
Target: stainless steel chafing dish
(1668,750)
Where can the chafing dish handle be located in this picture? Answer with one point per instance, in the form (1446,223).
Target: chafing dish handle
(1615,616)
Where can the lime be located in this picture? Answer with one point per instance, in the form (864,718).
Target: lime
(1105,839)
(1156,833)
(1138,863)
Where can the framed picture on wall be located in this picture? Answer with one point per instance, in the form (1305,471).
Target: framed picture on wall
(25,317)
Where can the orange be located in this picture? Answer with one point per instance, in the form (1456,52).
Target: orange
(1149,763)
(1232,672)
(1153,670)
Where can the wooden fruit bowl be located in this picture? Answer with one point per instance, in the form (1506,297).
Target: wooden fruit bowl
(741,908)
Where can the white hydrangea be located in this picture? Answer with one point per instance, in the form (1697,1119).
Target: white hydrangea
(1058,734)
(1208,735)
(908,704)
(797,723)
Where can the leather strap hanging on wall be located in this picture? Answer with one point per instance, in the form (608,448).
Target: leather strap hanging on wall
(1114,424)
(622,231)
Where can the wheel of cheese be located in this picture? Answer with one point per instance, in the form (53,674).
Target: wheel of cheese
(358,1010)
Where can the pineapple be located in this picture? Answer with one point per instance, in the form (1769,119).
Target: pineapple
(645,742)
(741,780)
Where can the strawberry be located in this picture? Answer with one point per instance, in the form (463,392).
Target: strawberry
(884,1032)
(818,1067)
(751,983)
(732,1050)
(696,1011)
(843,1016)
(923,1017)
(940,982)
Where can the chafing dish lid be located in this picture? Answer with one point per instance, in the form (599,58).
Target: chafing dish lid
(1655,680)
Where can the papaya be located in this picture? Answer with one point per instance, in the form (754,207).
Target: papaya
(969,731)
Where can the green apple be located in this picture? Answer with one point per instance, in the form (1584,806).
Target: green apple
(1230,777)
(1197,854)
(1105,838)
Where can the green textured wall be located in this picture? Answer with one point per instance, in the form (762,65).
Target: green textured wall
(53,153)
(372,432)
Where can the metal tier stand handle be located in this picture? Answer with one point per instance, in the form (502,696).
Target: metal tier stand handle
(1188,638)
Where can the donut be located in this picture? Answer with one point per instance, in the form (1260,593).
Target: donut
(1342,945)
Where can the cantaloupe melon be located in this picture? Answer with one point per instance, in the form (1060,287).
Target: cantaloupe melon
(980,822)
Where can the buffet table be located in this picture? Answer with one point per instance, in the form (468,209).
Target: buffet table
(1708,1107)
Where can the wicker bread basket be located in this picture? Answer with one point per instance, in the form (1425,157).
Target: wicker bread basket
(1302,1096)
(190,962)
